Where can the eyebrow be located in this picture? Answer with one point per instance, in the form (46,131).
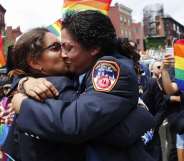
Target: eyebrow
(68,42)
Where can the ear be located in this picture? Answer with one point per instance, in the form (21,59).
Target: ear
(95,51)
(34,64)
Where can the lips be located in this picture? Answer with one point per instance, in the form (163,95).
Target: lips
(67,63)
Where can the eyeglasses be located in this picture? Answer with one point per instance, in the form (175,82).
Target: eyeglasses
(56,46)
(67,47)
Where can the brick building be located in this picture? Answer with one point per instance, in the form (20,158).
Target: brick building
(160,28)
(172,29)
(121,18)
(12,34)
(2,21)
(138,35)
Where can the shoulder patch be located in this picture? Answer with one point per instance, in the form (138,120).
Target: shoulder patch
(105,75)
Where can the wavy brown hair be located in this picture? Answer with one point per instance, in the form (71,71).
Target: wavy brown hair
(92,29)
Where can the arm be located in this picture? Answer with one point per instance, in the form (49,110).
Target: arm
(130,129)
(169,86)
(91,114)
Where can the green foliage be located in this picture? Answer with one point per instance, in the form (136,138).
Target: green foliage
(154,42)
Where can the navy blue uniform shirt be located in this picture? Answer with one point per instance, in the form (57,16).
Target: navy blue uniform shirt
(91,114)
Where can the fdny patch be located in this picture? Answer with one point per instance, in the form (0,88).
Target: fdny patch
(105,75)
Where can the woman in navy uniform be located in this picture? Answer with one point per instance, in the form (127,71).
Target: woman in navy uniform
(37,54)
(108,91)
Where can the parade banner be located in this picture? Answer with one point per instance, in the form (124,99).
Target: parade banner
(179,63)
(79,5)
(2,56)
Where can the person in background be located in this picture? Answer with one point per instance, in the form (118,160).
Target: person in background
(160,104)
(156,69)
(172,89)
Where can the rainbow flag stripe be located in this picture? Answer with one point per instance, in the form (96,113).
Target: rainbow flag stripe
(179,63)
(2,56)
(55,28)
(80,5)
(6,157)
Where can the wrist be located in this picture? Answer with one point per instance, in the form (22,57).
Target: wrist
(21,85)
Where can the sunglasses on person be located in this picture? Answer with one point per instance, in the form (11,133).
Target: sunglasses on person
(55,47)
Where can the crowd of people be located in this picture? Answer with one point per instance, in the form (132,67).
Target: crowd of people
(88,97)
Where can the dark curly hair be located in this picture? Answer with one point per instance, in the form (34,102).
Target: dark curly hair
(30,44)
(92,29)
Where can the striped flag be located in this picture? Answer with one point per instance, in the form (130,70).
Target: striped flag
(179,63)
(55,28)
(2,56)
(6,157)
(79,5)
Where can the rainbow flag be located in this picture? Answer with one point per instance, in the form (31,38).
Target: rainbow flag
(179,63)
(2,56)
(55,28)
(79,5)
(6,157)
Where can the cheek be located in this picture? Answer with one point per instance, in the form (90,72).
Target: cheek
(73,56)
(56,66)
(51,59)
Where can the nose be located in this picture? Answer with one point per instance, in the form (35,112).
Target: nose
(63,54)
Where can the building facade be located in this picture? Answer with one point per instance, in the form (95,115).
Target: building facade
(121,17)
(12,34)
(138,35)
(172,29)
(2,21)
(160,29)
(150,18)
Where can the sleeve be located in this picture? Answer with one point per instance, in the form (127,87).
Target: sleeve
(67,87)
(130,129)
(91,114)
(15,83)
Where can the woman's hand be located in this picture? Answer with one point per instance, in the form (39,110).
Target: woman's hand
(16,102)
(39,89)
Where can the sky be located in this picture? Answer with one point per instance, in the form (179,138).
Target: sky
(33,13)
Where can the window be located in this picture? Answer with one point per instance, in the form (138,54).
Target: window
(126,34)
(130,35)
(121,18)
(137,41)
(122,31)
(136,30)
(174,27)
